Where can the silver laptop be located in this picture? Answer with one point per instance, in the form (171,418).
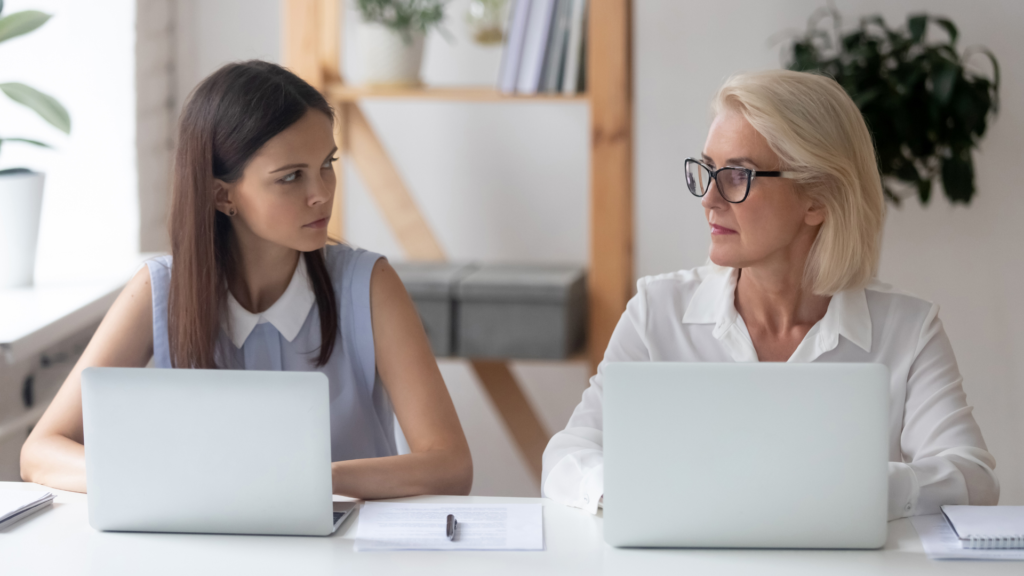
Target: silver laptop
(209,451)
(746,455)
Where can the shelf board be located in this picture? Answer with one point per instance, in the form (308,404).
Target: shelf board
(345,93)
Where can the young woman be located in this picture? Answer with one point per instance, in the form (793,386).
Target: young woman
(251,284)
(790,187)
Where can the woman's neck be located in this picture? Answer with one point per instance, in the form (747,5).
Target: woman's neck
(261,271)
(777,300)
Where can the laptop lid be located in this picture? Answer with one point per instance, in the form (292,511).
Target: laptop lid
(758,455)
(214,451)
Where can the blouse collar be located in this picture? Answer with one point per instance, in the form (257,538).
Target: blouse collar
(714,303)
(287,314)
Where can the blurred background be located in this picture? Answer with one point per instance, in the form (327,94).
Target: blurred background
(510,182)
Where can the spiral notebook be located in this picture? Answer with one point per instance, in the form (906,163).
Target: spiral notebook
(987,527)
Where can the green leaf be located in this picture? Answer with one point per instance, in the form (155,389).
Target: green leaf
(958,177)
(950,28)
(46,106)
(944,77)
(917,26)
(26,141)
(21,23)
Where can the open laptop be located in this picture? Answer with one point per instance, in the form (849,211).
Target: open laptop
(746,455)
(209,451)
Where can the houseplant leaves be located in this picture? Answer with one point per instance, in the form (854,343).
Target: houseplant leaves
(926,111)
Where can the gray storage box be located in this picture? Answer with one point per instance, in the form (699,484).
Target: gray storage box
(521,311)
(431,286)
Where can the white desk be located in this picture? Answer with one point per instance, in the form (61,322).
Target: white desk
(60,541)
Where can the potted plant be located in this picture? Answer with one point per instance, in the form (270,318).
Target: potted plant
(926,110)
(389,40)
(21,189)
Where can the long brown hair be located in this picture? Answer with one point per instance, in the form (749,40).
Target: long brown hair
(228,117)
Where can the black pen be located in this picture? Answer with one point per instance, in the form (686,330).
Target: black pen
(450,527)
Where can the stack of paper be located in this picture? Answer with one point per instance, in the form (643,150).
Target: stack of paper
(398,526)
(17,504)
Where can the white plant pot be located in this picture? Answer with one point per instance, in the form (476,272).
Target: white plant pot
(21,202)
(385,59)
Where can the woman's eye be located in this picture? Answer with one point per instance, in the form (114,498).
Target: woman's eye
(291,177)
(329,162)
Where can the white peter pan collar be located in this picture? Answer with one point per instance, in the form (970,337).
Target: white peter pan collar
(714,303)
(287,314)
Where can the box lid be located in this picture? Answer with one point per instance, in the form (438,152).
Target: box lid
(431,279)
(522,283)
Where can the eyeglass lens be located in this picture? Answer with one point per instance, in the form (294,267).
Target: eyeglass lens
(732,182)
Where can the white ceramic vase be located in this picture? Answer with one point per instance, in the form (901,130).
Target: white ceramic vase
(21,203)
(385,58)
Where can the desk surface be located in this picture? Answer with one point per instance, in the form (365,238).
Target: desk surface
(60,541)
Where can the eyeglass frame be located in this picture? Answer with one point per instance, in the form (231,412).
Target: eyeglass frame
(751,175)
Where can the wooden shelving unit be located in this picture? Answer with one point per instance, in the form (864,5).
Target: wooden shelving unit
(312,49)
(340,92)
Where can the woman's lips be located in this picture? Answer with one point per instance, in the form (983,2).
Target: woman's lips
(318,224)
(716,229)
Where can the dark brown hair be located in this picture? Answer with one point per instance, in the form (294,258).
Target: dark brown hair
(228,117)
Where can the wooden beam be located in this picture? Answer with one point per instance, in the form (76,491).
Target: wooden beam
(301,40)
(515,410)
(610,89)
(331,20)
(386,186)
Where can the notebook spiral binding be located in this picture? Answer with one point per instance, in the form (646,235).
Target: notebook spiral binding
(994,542)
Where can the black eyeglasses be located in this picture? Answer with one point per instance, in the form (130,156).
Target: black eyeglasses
(733,181)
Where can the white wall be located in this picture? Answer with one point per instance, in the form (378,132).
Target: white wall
(509,182)
(83,57)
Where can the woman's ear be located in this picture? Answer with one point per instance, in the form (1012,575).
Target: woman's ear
(224,197)
(815,215)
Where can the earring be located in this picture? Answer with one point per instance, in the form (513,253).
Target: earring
(232,211)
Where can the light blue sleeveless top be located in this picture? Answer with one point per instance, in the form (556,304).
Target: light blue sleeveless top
(362,420)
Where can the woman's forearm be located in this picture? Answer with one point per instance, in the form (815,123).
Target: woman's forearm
(54,461)
(429,472)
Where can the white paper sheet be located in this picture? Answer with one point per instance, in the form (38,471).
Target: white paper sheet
(17,504)
(398,526)
(941,543)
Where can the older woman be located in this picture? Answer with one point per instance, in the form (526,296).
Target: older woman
(793,198)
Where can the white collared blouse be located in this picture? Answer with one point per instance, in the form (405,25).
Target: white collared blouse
(286,337)
(936,451)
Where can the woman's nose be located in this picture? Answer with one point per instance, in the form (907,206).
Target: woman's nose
(712,198)
(323,191)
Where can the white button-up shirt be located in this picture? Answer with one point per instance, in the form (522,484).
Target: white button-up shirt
(936,451)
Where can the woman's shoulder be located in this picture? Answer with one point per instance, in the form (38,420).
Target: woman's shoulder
(340,256)
(899,313)
(350,267)
(680,282)
(893,302)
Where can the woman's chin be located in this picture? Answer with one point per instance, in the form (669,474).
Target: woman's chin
(723,258)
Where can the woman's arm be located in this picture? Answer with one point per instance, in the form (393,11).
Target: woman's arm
(439,462)
(945,460)
(573,462)
(54,454)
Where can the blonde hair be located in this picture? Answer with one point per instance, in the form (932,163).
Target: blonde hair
(815,128)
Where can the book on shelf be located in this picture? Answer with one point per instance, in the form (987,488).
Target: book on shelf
(574,49)
(513,51)
(545,47)
(554,56)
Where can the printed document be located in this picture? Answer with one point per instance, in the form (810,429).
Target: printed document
(400,526)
